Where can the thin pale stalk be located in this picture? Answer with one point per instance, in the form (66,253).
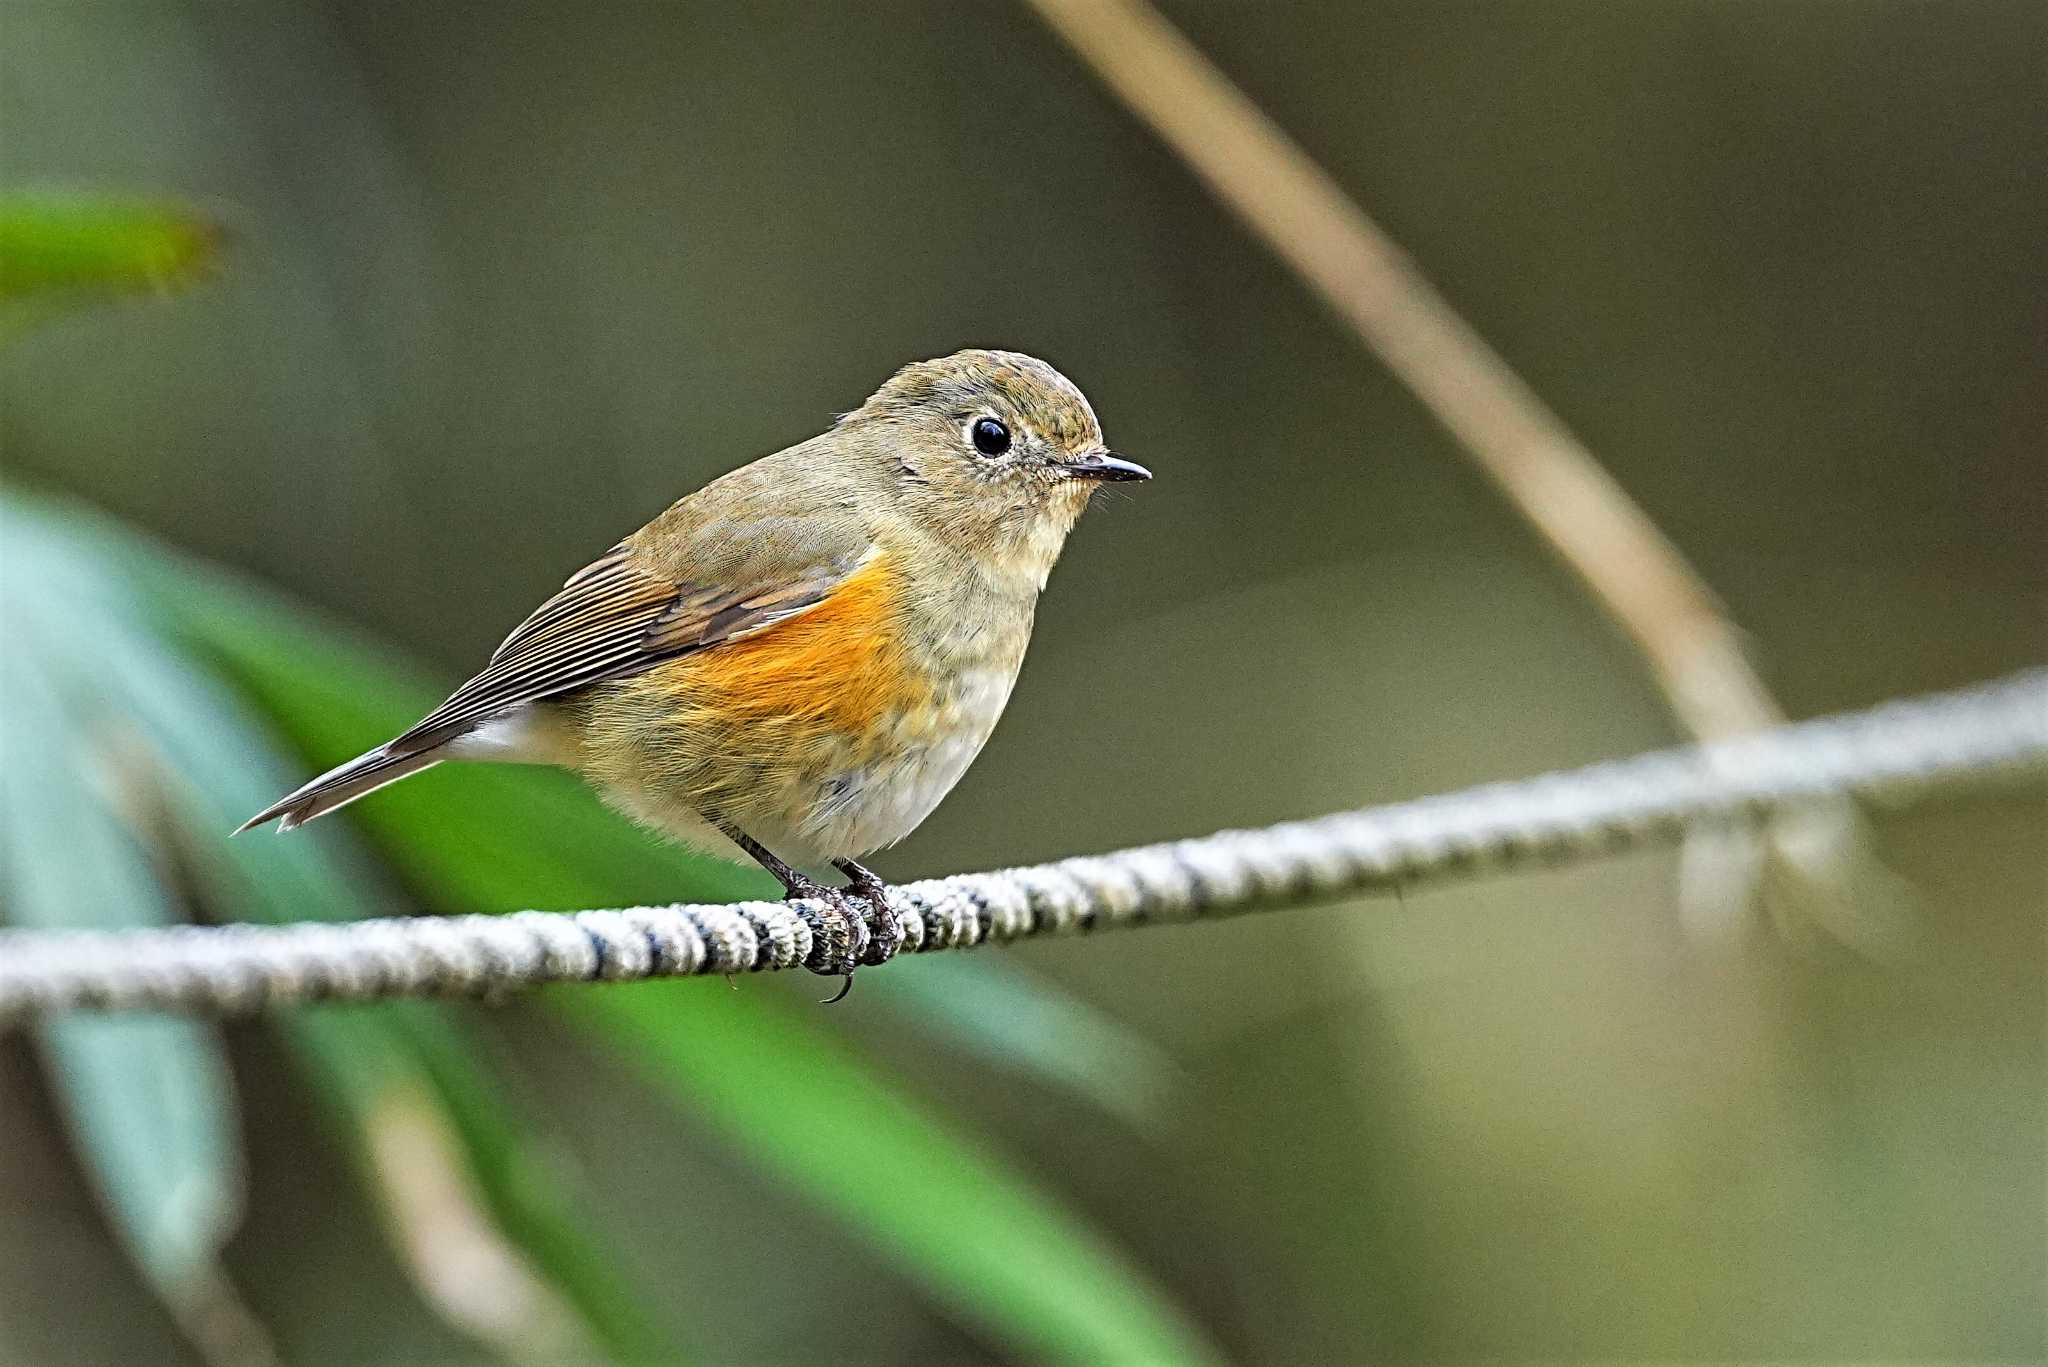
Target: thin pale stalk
(1637,575)
(1816,862)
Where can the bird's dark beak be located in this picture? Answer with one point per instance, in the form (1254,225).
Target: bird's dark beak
(1106,466)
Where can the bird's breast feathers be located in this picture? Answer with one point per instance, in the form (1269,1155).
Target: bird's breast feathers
(837,729)
(840,665)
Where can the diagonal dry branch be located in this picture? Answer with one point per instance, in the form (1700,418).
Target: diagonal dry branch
(1636,574)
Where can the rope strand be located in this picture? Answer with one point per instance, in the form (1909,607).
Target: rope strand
(1895,753)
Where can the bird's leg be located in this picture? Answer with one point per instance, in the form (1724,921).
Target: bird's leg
(846,927)
(885,931)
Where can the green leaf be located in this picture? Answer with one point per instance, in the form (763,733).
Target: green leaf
(536,1196)
(147,1096)
(214,768)
(51,242)
(403,1049)
(403,1067)
(1017,1020)
(1001,1251)
(957,1219)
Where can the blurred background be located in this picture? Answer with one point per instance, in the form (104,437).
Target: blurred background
(499,282)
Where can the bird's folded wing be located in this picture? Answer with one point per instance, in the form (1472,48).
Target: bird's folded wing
(617,616)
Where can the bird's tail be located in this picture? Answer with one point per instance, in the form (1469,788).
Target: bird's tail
(338,787)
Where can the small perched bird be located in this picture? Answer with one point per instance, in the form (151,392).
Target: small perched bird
(804,655)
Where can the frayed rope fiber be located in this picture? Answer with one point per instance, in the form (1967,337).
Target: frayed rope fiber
(1895,753)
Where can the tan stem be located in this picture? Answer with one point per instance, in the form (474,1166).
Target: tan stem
(1594,527)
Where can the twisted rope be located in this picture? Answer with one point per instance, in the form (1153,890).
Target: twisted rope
(1895,753)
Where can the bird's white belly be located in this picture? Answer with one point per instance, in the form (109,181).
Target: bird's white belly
(879,802)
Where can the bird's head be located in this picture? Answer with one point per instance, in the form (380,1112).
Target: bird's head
(994,450)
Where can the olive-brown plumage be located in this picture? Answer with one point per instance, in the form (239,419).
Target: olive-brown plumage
(807,652)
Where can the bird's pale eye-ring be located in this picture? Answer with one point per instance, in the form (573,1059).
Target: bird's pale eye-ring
(990,436)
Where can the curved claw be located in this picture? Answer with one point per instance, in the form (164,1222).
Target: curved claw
(885,930)
(845,986)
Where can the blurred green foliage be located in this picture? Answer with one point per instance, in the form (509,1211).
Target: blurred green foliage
(81,816)
(97,245)
(58,250)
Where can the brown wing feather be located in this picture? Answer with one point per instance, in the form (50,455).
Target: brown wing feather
(614,617)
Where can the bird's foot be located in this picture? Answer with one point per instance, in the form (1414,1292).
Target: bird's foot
(885,932)
(853,925)
(839,930)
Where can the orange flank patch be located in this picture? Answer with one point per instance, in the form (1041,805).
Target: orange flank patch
(840,665)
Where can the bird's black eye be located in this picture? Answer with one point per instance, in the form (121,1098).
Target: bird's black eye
(990,437)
